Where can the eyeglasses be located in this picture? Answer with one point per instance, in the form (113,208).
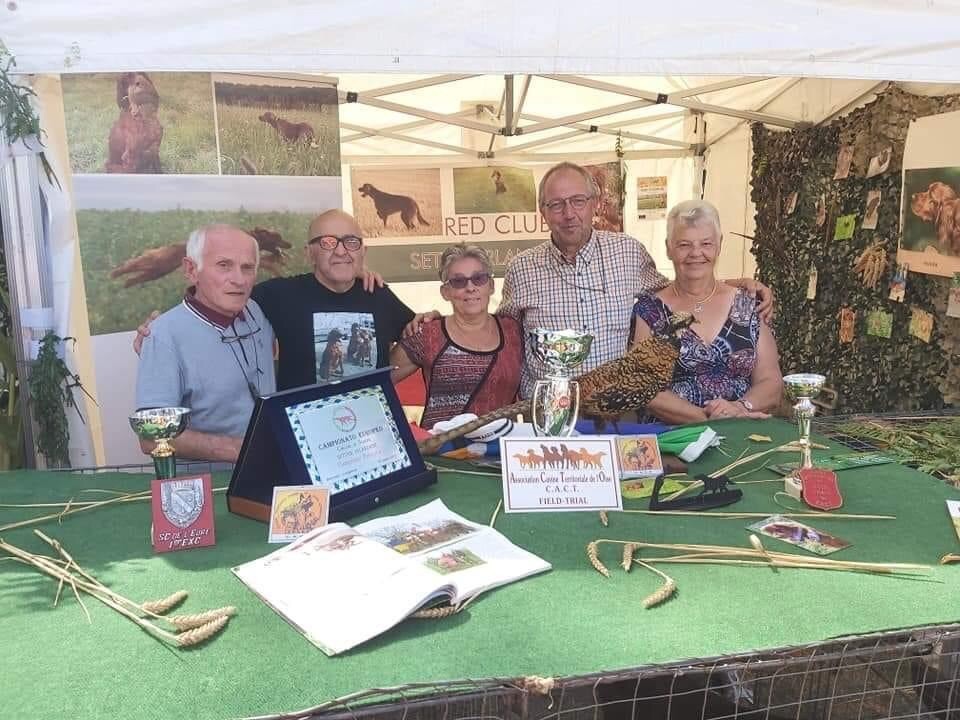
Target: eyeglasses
(330,242)
(577,202)
(460,282)
(236,340)
(238,337)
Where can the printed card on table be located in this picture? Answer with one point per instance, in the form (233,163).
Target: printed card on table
(297,510)
(182,513)
(639,456)
(953,507)
(796,533)
(550,474)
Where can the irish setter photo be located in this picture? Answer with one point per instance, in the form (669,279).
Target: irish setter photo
(940,206)
(134,144)
(289,131)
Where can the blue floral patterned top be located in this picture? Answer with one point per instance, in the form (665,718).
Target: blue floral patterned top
(721,369)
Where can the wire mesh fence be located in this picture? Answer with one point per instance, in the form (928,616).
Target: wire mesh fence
(902,674)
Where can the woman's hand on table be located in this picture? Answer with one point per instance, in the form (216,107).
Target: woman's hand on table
(720,409)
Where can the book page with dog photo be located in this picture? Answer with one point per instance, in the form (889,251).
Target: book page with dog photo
(341,586)
(930,202)
(345,344)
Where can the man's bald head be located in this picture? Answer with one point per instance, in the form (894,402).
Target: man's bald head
(334,222)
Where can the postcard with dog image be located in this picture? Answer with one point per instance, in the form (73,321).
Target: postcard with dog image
(871,210)
(140,123)
(930,218)
(345,344)
(499,189)
(880,162)
(270,127)
(608,178)
(796,533)
(397,203)
(921,324)
(880,323)
(844,160)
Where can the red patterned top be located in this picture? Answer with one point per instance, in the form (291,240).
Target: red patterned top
(460,380)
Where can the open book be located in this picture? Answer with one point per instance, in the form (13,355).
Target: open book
(341,586)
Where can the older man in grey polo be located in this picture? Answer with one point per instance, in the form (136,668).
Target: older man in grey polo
(212,353)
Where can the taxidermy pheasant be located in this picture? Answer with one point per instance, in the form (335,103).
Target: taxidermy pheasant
(606,392)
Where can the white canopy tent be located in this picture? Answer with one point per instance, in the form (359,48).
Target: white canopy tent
(455,83)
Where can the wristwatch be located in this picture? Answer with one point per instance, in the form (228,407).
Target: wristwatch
(747,404)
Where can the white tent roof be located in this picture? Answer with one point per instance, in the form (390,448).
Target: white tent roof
(881,39)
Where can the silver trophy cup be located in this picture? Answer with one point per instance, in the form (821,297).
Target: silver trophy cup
(161,425)
(556,398)
(801,388)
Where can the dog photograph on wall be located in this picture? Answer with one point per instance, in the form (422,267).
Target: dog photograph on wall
(268,126)
(930,218)
(133,239)
(397,203)
(501,189)
(609,181)
(140,123)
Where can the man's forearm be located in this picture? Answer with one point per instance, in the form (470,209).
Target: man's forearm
(193,445)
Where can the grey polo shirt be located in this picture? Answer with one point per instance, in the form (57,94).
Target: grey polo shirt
(190,361)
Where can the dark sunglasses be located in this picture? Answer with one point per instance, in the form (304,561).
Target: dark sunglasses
(460,282)
(330,242)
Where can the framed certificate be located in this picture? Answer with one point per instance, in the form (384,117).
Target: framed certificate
(349,436)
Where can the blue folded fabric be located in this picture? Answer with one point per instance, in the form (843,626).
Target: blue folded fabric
(587,427)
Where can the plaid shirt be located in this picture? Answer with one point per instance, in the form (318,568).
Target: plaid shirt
(595,293)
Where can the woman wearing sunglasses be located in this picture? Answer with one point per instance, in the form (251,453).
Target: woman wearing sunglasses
(470,359)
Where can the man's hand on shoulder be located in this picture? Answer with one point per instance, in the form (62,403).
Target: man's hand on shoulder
(414,326)
(761,291)
(144,331)
(371,280)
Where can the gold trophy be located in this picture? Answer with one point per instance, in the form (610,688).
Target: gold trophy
(161,425)
(556,398)
(801,388)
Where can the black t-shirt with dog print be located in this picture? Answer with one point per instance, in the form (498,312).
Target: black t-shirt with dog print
(325,335)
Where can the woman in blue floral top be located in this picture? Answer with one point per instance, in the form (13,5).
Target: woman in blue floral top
(728,365)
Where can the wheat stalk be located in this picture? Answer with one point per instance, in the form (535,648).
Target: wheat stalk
(595,560)
(628,550)
(436,613)
(199,634)
(661,594)
(188,622)
(604,520)
(159,607)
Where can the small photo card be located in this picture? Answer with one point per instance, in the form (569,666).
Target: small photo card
(879,323)
(297,510)
(796,533)
(921,324)
(640,488)
(898,283)
(551,474)
(879,163)
(953,303)
(639,456)
(845,226)
(844,160)
(871,210)
(848,321)
(182,513)
(953,507)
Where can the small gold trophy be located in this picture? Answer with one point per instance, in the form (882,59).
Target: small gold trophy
(161,425)
(801,388)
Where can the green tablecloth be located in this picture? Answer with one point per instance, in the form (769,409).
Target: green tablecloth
(566,622)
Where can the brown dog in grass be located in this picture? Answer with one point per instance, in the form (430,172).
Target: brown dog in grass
(388,204)
(498,183)
(940,206)
(289,131)
(158,262)
(134,143)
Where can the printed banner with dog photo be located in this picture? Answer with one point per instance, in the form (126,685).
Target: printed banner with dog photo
(268,126)
(412,214)
(137,122)
(930,202)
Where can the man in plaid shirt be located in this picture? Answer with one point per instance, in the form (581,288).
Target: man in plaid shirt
(581,279)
